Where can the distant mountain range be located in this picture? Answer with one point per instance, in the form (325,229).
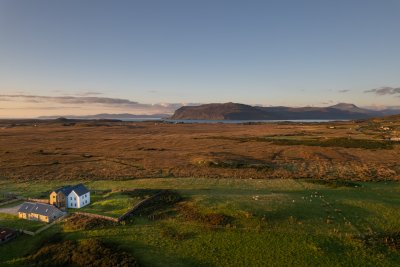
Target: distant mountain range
(236,111)
(107,116)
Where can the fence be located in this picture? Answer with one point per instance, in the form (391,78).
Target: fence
(97,216)
(27,232)
(39,200)
(50,224)
(10,201)
(138,206)
(126,214)
(44,227)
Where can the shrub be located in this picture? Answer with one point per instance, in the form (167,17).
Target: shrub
(173,234)
(390,240)
(209,219)
(90,252)
(81,222)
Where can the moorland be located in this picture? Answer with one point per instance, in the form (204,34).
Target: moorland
(63,149)
(250,194)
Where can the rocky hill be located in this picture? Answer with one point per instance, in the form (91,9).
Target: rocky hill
(236,111)
(227,111)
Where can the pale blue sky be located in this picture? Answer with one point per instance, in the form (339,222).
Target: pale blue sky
(283,52)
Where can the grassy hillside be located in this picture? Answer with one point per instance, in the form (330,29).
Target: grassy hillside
(236,222)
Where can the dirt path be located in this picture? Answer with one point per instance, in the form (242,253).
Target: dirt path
(11,210)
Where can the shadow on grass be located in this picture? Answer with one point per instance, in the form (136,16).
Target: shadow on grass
(149,255)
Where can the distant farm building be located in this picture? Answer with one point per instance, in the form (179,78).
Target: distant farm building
(39,212)
(6,234)
(76,196)
(396,139)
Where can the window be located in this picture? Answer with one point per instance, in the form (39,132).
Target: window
(70,198)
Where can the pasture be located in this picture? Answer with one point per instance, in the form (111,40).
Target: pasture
(246,222)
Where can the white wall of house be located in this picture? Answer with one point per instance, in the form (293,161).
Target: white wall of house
(76,202)
(84,199)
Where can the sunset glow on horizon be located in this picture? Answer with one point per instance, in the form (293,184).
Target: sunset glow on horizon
(151,57)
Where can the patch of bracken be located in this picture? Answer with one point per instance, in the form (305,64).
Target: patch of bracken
(210,219)
(80,222)
(89,252)
(387,239)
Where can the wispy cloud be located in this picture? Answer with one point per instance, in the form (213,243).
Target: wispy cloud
(384,91)
(81,102)
(35,108)
(89,93)
(70,99)
(344,91)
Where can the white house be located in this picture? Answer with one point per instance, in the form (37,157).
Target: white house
(78,197)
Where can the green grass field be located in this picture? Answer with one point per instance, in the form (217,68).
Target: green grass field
(109,204)
(12,221)
(274,223)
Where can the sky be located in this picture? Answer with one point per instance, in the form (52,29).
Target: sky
(80,57)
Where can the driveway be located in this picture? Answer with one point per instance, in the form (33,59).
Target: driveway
(11,210)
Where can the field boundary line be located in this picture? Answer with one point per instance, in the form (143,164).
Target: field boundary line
(98,216)
(11,201)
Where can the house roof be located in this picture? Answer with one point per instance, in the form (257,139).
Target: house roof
(66,190)
(79,189)
(38,208)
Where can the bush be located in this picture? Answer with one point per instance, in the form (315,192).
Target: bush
(390,240)
(80,222)
(173,234)
(191,213)
(90,252)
